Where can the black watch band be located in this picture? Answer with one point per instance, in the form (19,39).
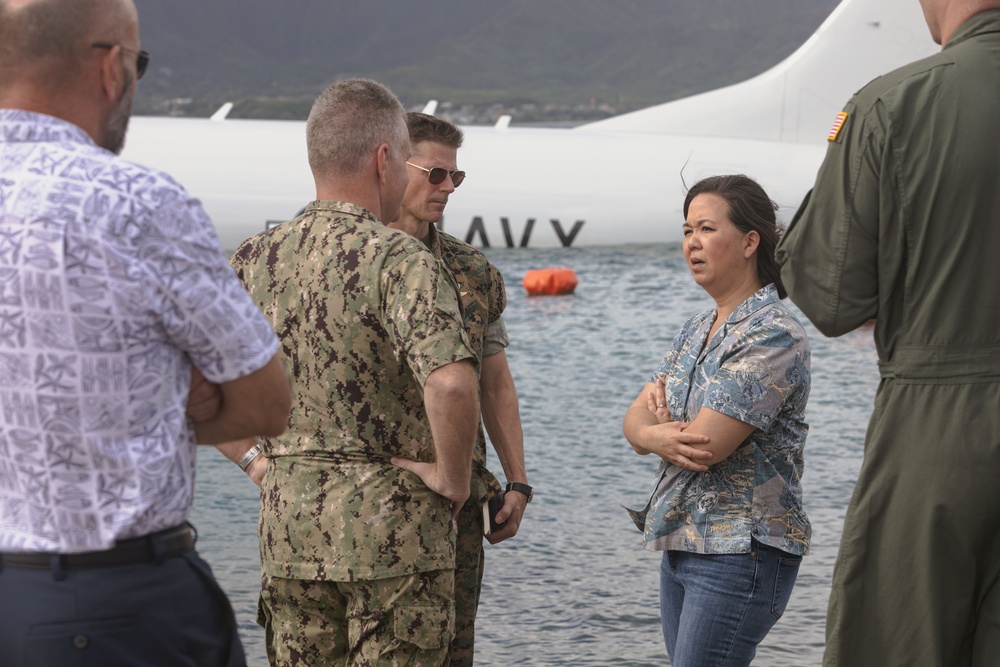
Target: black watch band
(521,488)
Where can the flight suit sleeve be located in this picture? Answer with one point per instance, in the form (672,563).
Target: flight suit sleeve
(829,255)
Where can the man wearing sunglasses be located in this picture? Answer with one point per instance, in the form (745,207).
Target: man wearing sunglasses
(357,501)
(114,292)
(434,176)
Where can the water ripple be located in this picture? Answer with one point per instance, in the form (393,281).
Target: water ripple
(575,587)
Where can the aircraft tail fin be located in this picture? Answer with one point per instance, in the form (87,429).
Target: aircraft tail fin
(797,99)
(222,113)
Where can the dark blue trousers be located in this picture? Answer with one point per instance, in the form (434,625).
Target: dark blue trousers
(168,613)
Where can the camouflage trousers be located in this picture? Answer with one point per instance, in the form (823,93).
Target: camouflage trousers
(469,563)
(396,622)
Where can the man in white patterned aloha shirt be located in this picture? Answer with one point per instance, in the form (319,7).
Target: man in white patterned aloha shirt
(115,298)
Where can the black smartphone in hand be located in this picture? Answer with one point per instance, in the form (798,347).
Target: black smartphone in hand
(490,509)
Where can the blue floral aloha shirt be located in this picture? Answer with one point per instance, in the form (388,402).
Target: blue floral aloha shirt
(755,369)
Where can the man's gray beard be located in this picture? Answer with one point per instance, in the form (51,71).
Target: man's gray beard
(117,125)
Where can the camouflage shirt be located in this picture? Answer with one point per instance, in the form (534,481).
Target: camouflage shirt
(483,301)
(364,314)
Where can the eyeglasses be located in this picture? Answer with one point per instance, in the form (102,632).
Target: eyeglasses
(141,57)
(437,175)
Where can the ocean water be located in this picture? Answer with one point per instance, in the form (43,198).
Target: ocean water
(574,587)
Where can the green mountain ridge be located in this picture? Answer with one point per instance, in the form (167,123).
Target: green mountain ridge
(271,59)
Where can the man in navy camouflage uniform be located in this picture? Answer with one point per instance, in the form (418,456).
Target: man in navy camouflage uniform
(358,496)
(434,176)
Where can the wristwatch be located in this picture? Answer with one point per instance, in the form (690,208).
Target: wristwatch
(521,488)
(249,457)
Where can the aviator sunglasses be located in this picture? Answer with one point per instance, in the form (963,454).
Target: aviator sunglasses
(141,57)
(437,175)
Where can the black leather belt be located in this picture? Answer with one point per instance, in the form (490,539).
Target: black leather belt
(146,549)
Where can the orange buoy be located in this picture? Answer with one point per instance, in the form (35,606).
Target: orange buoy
(542,282)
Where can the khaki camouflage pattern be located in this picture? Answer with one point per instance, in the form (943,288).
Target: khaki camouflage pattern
(484,298)
(396,622)
(470,563)
(364,314)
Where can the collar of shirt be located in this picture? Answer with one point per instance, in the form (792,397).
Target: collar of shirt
(20,126)
(763,297)
(984,22)
(433,240)
(343,207)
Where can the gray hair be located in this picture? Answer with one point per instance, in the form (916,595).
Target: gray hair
(348,121)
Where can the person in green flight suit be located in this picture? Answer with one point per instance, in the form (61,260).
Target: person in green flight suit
(903,226)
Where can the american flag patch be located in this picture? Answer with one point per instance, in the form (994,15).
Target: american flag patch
(837,125)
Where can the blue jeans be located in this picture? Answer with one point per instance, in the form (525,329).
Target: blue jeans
(716,608)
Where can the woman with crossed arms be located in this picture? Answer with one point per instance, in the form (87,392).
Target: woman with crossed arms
(724,411)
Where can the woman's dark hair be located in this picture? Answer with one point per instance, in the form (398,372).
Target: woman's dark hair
(750,209)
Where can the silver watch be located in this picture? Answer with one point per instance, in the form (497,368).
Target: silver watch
(248,458)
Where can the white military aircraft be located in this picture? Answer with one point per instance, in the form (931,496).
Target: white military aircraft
(619,180)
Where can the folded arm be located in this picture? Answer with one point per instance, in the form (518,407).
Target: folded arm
(725,433)
(255,404)
(655,432)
